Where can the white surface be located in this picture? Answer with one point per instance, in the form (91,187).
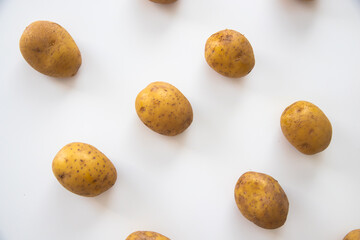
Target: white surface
(180,186)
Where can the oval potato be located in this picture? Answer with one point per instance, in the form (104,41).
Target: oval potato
(261,200)
(229,53)
(164,109)
(353,235)
(146,235)
(83,169)
(50,49)
(306,127)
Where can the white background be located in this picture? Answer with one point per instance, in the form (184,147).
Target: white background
(180,186)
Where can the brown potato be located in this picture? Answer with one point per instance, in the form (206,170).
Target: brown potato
(229,53)
(163,1)
(50,49)
(164,109)
(146,235)
(83,169)
(306,127)
(261,200)
(353,235)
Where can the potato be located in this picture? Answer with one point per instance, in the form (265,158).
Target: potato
(146,235)
(306,127)
(50,49)
(229,53)
(261,200)
(163,1)
(353,235)
(83,169)
(164,109)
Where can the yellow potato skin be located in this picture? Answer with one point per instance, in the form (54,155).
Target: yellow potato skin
(229,53)
(163,1)
(353,235)
(164,109)
(261,200)
(50,49)
(146,235)
(306,127)
(83,169)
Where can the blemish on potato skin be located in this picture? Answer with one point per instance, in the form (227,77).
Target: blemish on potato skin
(229,53)
(165,112)
(79,181)
(146,235)
(261,200)
(303,122)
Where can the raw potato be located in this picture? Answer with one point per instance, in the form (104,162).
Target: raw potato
(163,1)
(50,49)
(164,109)
(229,53)
(261,200)
(353,235)
(146,235)
(306,127)
(83,169)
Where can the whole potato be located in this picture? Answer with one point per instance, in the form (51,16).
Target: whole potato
(164,109)
(261,200)
(83,169)
(229,53)
(50,49)
(163,1)
(146,235)
(353,235)
(306,127)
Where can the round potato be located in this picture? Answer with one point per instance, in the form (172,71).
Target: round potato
(164,109)
(163,1)
(261,200)
(353,235)
(50,49)
(146,235)
(229,53)
(83,169)
(306,127)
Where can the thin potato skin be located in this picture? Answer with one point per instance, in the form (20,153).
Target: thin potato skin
(261,200)
(306,127)
(229,53)
(353,235)
(83,169)
(50,49)
(163,1)
(164,109)
(146,235)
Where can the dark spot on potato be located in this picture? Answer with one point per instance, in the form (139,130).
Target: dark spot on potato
(77,170)
(142,109)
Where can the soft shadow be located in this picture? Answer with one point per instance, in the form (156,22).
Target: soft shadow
(298,13)
(294,164)
(293,4)
(69,209)
(242,226)
(152,17)
(67,82)
(104,199)
(151,147)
